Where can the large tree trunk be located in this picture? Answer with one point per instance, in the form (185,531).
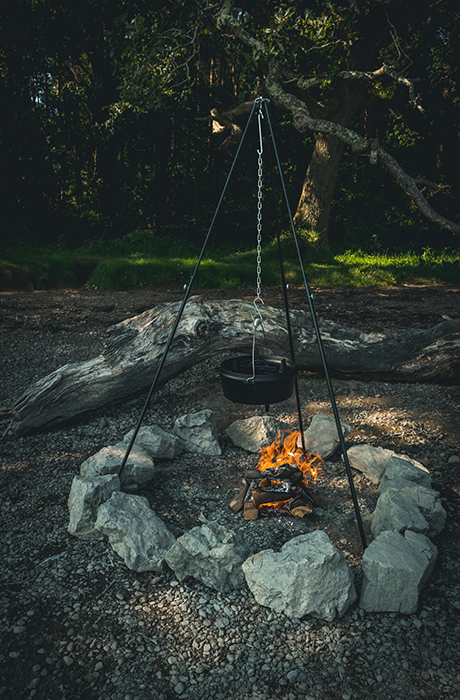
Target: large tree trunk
(134,348)
(318,187)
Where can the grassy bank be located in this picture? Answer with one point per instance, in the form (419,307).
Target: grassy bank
(133,264)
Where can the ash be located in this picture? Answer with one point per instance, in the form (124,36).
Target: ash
(76,623)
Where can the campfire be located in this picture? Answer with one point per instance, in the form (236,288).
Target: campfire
(283,481)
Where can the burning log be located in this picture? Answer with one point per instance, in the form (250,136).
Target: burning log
(134,348)
(262,497)
(281,480)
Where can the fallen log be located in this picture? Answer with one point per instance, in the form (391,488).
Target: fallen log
(134,348)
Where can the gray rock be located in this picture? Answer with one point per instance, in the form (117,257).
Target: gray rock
(408,506)
(197,433)
(139,468)
(453,459)
(308,576)
(395,567)
(134,531)
(211,554)
(405,468)
(370,461)
(321,436)
(253,433)
(86,495)
(156,442)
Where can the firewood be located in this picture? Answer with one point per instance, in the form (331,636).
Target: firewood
(301,511)
(315,497)
(237,503)
(251,512)
(252,474)
(292,473)
(260,497)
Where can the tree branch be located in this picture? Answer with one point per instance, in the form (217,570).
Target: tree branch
(369,76)
(226,21)
(227,120)
(422,182)
(304,122)
(379,73)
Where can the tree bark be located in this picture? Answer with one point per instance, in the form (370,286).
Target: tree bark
(135,347)
(320,180)
(318,187)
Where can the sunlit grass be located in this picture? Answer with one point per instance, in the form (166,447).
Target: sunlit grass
(120,267)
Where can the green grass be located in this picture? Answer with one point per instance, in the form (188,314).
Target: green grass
(114,266)
(44,269)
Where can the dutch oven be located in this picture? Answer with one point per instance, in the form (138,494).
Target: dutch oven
(272,382)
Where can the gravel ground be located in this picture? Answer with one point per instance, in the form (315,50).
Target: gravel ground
(76,623)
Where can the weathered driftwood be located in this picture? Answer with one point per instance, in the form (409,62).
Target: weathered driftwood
(134,347)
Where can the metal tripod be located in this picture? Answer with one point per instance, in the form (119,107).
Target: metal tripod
(262,103)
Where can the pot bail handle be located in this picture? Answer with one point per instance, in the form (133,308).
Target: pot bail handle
(256,323)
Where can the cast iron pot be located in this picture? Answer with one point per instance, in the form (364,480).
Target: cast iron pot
(274,379)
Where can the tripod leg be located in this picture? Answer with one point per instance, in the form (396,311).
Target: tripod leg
(320,348)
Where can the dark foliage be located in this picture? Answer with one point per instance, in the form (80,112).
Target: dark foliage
(103,128)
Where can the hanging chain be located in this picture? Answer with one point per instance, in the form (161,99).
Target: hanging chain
(260,116)
(258,321)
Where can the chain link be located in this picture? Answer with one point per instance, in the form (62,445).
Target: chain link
(259,206)
(259,228)
(258,321)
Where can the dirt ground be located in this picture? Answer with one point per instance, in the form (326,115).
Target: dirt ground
(41,331)
(366,308)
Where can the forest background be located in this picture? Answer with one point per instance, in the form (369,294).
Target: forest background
(120,121)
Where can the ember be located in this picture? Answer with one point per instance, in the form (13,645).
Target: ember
(281,481)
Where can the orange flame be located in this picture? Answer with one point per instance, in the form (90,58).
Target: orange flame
(284,451)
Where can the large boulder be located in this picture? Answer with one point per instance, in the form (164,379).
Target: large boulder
(139,468)
(254,433)
(395,567)
(86,495)
(309,576)
(405,505)
(370,461)
(156,442)
(197,432)
(134,531)
(322,437)
(211,554)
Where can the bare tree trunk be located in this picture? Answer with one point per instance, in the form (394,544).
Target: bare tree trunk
(135,347)
(318,187)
